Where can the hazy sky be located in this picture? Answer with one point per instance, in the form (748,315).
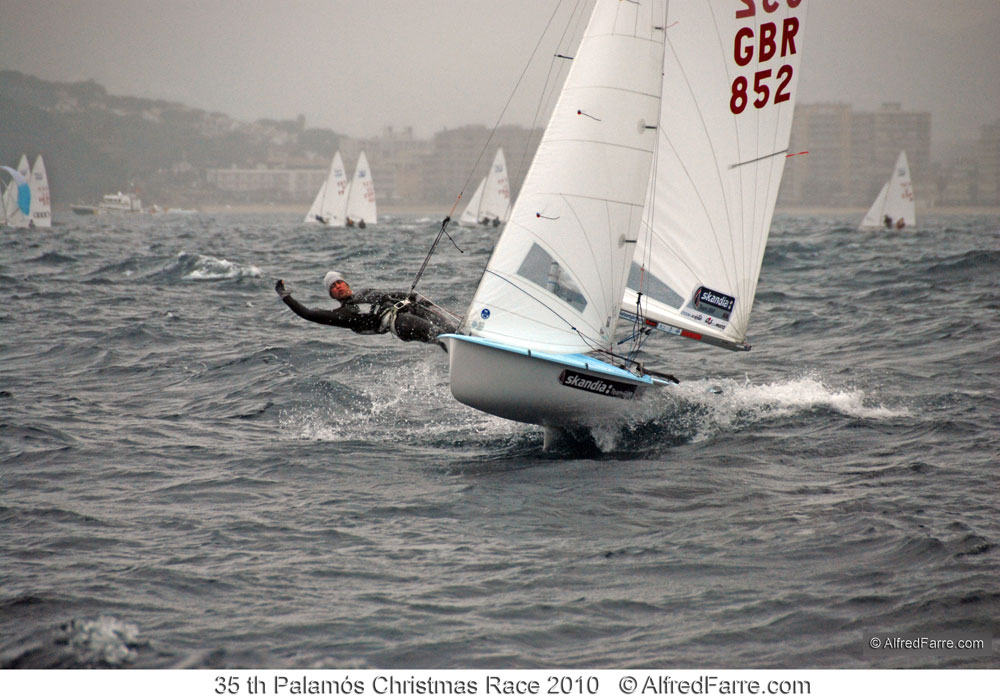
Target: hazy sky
(358,65)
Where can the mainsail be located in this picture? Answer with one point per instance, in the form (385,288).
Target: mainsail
(361,200)
(556,277)
(729,84)
(41,206)
(491,202)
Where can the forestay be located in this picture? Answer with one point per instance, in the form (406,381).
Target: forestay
(556,277)
(729,85)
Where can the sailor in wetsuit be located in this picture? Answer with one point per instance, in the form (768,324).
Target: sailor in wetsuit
(408,317)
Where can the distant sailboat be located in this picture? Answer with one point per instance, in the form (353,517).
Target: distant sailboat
(41,206)
(361,210)
(894,207)
(16,202)
(470,217)
(491,202)
(330,205)
(16,215)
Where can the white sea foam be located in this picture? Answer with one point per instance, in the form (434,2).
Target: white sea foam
(414,401)
(699,410)
(730,397)
(205,267)
(105,640)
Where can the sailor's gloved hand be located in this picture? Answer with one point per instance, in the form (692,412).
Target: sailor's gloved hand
(279,287)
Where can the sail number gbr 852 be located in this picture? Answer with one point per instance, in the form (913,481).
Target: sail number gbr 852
(770,40)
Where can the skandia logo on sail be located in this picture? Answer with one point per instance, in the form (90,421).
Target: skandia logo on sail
(714,303)
(596,385)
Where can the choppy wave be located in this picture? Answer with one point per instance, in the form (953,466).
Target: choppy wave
(195,477)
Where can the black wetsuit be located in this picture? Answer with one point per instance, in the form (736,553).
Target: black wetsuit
(372,311)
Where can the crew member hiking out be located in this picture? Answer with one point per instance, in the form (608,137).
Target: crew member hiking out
(371,311)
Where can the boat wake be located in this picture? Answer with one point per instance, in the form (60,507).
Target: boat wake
(413,404)
(697,411)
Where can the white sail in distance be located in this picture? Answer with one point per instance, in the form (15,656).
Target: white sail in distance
(315,212)
(15,217)
(730,79)
(361,199)
(895,200)
(330,205)
(471,214)
(556,277)
(491,201)
(41,205)
(495,203)
(875,216)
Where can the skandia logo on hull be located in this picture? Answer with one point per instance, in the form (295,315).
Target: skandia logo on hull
(596,385)
(714,303)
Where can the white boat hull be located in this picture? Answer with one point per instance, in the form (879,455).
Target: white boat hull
(555,391)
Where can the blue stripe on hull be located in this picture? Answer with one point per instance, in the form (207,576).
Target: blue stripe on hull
(576,360)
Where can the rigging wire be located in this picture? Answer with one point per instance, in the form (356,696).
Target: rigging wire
(640,333)
(447,219)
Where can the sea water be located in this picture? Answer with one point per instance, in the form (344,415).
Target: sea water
(193,476)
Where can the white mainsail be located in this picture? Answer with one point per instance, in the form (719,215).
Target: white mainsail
(894,207)
(330,204)
(491,202)
(495,203)
(729,86)
(41,205)
(556,277)
(361,200)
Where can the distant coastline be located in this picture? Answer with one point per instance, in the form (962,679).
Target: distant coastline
(442,210)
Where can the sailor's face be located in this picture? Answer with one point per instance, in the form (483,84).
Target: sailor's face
(340,290)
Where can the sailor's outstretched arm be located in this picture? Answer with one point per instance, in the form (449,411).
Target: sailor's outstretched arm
(337,317)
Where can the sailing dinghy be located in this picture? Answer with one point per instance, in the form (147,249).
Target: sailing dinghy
(17,197)
(361,209)
(330,205)
(894,207)
(41,206)
(490,204)
(16,202)
(692,177)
